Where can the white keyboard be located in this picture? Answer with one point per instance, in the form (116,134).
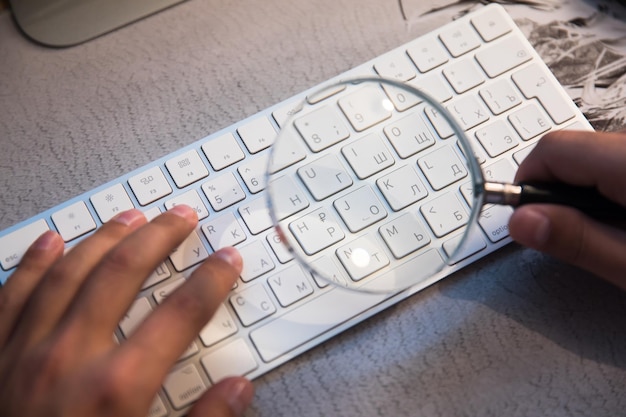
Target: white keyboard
(480,67)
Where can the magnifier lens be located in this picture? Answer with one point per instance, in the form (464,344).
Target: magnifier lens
(369,186)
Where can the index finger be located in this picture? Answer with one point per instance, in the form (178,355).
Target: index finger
(160,340)
(591,159)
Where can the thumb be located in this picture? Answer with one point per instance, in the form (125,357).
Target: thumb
(569,235)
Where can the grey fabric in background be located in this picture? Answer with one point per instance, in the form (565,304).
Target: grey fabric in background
(517,334)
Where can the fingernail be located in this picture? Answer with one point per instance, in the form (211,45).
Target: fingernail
(535,227)
(239,395)
(230,255)
(47,241)
(542,227)
(129,217)
(184,211)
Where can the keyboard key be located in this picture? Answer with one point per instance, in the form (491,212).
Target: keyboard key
(14,245)
(192,199)
(157,409)
(503,56)
(427,53)
(529,121)
(434,85)
(138,311)
(317,230)
(497,138)
(404,235)
(442,167)
(281,251)
(395,65)
(162,293)
(285,112)
(184,386)
(186,168)
(366,107)
(253,173)
(463,75)
(223,191)
(324,177)
(160,274)
(444,214)
(310,320)
(150,185)
(288,198)
(474,243)
(459,38)
(500,96)
(494,220)
(223,231)
(409,135)
(219,327)
(256,215)
(360,208)
(256,260)
(223,151)
(362,257)
(500,171)
(252,304)
(468,112)
(73,221)
(290,151)
(257,135)
(189,253)
(402,187)
(491,24)
(321,128)
(290,285)
(325,271)
(533,82)
(233,359)
(520,155)
(368,155)
(110,202)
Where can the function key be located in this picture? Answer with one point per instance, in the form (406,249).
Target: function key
(459,39)
(186,168)
(73,221)
(14,245)
(150,185)
(110,202)
(492,23)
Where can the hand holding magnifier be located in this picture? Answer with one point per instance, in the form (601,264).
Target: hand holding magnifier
(374,186)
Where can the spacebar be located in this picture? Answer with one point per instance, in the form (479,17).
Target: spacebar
(302,324)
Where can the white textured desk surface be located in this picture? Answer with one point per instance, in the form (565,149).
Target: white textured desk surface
(517,334)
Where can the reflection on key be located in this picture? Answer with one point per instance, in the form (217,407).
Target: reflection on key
(366,107)
(362,257)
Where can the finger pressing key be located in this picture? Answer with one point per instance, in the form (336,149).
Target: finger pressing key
(160,340)
(33,266)
(116,280)
(54,293)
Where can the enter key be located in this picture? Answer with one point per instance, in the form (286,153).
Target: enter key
(533,82)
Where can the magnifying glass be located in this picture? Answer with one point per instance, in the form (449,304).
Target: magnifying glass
(374,186)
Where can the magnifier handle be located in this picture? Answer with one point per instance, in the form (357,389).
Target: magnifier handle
(586,199)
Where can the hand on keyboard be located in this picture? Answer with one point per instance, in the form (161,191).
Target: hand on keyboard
(58,314)
(578,158)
